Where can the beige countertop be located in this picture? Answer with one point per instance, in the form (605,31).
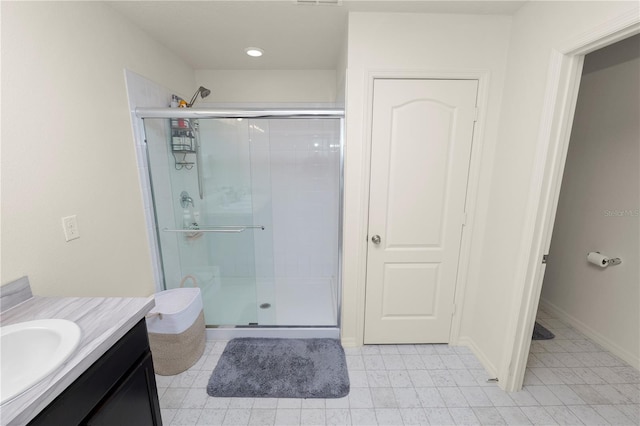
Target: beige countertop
(103,321)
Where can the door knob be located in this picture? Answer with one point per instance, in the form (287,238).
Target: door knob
(376,239)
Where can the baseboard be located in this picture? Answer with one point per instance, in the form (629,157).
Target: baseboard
(468,342)
(349,342)
(590,333)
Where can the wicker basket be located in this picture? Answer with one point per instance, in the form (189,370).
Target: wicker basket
(175,353)
(176,330)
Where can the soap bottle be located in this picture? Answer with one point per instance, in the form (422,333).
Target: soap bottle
(186,219)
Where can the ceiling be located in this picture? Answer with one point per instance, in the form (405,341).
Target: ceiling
(214,34)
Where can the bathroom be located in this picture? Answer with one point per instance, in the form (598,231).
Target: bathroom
(68,145)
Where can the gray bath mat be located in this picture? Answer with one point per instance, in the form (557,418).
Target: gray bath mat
(281,368)
(541,333)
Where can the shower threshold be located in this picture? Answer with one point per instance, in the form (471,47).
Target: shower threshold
(228,333)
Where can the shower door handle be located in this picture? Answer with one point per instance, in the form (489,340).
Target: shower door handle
(220,228)
(376,239)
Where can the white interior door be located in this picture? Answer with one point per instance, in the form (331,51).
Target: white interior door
(422,132)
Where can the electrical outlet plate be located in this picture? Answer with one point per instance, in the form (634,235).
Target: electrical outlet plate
(70,227)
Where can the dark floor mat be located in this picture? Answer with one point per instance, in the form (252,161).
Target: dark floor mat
(541,333)
(281,368)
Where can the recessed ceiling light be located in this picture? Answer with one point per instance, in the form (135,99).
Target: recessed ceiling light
(254,51)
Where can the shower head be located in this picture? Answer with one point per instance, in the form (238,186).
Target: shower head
(202,91)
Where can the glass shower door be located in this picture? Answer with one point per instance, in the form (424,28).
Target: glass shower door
(249,209)
(206,241)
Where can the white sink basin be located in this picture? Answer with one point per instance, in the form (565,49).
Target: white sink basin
(29,351)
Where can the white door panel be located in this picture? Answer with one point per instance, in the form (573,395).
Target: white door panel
(421,144)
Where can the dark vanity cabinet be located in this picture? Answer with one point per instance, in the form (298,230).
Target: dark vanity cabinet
(118,389)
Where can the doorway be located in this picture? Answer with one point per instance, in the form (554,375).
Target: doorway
(566,65)
(598,208)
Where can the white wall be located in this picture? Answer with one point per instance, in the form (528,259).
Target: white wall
(272,86)
(67,147)
(598,207)
(304,158)
(496,283)
(341,75)
(415,45)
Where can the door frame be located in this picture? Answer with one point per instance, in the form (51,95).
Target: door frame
(483,78)
(565,71)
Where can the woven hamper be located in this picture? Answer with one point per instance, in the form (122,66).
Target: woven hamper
(176,330)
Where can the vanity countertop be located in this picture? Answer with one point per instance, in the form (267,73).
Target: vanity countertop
(103,321)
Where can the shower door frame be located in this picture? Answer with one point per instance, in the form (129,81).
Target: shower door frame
(288,331)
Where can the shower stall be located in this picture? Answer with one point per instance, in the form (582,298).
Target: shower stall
(247,206)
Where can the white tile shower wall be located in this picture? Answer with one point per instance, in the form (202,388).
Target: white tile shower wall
(261,198)
(228,201)
(285,174)
(143,92)
(304,158)
(263,215)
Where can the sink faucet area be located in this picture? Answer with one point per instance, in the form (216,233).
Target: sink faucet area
(31,350)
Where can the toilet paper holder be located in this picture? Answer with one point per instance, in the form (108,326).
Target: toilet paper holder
(604,260)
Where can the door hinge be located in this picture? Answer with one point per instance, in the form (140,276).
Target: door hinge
(464,219)
(544,258)
(476,114)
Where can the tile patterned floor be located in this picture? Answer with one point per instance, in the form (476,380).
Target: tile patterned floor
(569,381)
